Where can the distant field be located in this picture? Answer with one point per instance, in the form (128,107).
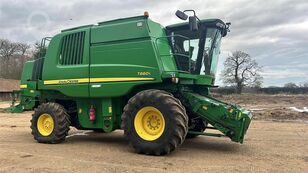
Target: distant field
(272,107)
(4,104)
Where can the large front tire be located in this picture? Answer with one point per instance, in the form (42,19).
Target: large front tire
(154,122)
(50,123)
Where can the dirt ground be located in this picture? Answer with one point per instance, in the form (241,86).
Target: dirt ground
(277,141)
(272,107)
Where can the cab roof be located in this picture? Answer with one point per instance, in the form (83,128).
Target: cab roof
(207,22)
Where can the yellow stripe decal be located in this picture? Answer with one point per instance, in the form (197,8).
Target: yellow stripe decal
(23,86)
(119,79)
(95,80)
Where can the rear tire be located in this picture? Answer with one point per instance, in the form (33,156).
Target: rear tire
(154,122)
(50,123)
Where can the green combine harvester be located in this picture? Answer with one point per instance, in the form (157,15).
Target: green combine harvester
(132,74)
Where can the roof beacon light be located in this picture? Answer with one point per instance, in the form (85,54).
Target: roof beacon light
(146,13)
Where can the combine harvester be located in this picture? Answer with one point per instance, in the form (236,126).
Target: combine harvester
(132,74)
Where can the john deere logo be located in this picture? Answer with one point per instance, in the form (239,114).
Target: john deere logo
(144,73)
(68,81)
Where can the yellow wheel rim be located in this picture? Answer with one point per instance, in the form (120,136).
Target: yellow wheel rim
(149,123)
(45,124)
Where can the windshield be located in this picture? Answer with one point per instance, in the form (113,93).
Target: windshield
(197,52)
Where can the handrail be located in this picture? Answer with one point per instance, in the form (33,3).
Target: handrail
(179,54)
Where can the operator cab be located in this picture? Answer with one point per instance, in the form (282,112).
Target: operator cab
(197,51)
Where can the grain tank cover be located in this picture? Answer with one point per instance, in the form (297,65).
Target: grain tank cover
(120,29)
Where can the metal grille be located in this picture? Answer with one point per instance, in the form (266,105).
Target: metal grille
(72,49)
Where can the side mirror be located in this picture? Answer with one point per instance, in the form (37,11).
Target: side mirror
(181,15)
(193,25)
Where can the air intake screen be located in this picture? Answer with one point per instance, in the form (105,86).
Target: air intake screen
(72,49)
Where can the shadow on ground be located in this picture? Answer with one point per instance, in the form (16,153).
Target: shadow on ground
(199,143)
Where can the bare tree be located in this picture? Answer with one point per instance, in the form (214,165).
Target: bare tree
(8,49)
(304,84)
(241,70)
(290,85)
(12,57)
(23,48)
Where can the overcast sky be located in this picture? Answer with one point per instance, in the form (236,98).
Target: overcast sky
(275,33)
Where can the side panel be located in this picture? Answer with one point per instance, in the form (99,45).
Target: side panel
(119,65)
(26,76)
(106,111)
(68,72)
(162,46)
